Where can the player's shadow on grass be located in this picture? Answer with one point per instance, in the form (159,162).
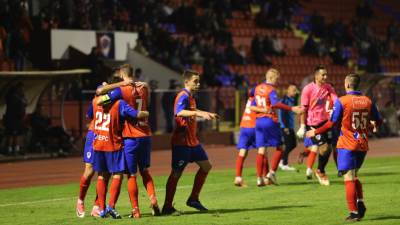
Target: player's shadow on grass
(386,218)
(373,174)
(311,182)
(224,211)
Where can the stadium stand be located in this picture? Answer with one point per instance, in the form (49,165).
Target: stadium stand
(230,42)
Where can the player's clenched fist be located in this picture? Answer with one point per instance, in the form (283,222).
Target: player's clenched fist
(142,114)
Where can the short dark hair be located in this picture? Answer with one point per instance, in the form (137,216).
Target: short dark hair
(114,79)
(353,81)
(127,68)
(187,74)
(319,67)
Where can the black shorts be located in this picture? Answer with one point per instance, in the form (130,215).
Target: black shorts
(14,126)
(321,139)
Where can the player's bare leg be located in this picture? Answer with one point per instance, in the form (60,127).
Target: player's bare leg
(199,180)
(260,165)
(168,208)
(310,160)
(83,187)
(242,155)
(150,188)
(133,195)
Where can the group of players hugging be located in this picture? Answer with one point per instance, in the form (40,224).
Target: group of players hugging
(118,141)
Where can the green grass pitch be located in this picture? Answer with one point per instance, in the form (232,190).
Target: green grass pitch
(295,201)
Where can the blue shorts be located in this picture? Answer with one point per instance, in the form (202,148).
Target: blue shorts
(112,162)
(268,133)
(307,142)
(137,153)
(182,155)
(247,138)
(350,160)
(88,151)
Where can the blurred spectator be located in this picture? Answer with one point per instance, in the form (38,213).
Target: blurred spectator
(257,52)
(364,10)
(95,64)
(310,46)
(373,59)
(393,31)
(40,46)
(140,48)
(341,55)
(40,125)
(14,118)
(322,48)
(317,24)
(277,46)
(139,76)
(167,101)
(275,13)
(243,55)
(153,106)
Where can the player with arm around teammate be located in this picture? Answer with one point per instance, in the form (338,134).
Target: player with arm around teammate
(108,154)
(357,115)
(137,138)
(88,171)
(268,132)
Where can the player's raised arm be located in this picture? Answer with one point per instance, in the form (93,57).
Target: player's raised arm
(127,111)
(104,89)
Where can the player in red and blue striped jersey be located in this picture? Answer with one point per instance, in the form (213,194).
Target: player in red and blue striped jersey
(247,138)
(268,132)
(358,116)
(186,147)
(137,138)
(88,172)
(107,145)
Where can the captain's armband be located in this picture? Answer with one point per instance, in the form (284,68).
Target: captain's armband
(104,100)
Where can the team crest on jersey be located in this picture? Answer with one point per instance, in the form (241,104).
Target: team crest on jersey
(356,135)
(88,155)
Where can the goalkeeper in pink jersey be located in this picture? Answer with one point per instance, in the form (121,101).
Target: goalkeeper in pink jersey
(314,98)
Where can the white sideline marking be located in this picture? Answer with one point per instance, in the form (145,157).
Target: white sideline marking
(35,202)
(160,189)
